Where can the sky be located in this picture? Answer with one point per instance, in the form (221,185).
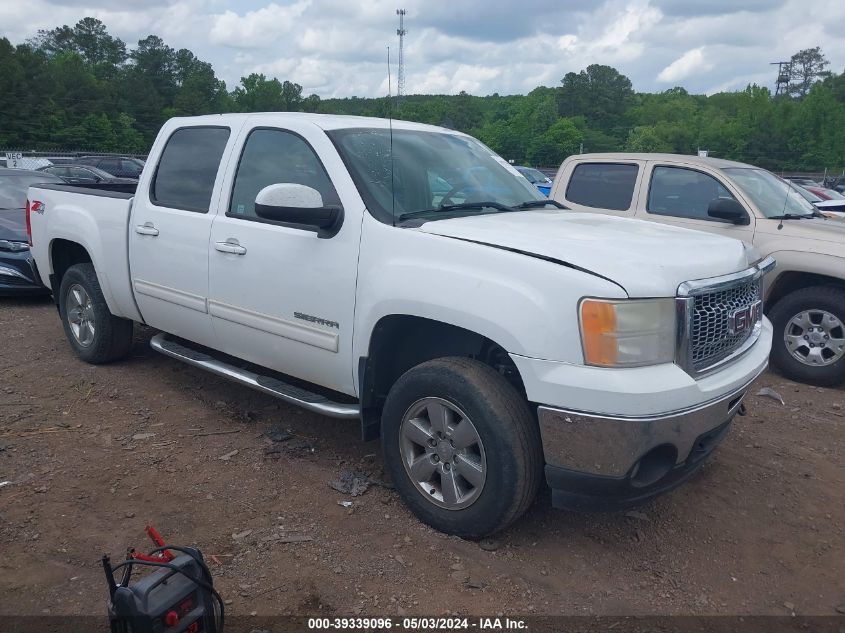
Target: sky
(338,48)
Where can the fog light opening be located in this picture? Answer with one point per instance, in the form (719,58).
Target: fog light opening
(653,466)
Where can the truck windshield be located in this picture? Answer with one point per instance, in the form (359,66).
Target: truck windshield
(437,172)
(772,195)
(809,196)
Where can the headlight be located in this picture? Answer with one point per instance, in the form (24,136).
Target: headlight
(627,332)
(6,245)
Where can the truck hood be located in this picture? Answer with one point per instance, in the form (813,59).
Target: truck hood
(644,258)
(827,234)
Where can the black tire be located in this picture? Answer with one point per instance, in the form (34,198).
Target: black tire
(112,337)
(508,431)
(831,299)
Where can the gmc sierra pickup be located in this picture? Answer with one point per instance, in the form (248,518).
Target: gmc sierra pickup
(405,276)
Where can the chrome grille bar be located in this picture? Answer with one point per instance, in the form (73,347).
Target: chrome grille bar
(705,340)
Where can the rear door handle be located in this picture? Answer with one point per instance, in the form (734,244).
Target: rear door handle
(147,228)
(230,246)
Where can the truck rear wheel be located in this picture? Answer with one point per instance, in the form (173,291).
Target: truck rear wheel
(461,446)
(809,335)
(94,333)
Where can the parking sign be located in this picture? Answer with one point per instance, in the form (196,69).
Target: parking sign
(13,158)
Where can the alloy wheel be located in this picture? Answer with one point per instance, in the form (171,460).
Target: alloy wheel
(442,453)
(80,315)
(815,338)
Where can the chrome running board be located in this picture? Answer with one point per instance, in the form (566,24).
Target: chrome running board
(284,391)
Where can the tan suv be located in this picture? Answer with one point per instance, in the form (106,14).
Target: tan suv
(805,296)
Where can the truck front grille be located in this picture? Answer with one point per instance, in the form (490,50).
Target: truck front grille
(711,339)
(720,318)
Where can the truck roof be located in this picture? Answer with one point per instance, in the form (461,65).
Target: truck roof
(718,163)
(323,121)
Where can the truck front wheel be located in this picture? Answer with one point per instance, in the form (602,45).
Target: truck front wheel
(461,447)
(94,333)
(809,335)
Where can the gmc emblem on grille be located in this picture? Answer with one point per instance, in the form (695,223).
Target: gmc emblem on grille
(742,319)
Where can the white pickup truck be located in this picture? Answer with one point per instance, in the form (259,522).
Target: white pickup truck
(406,276)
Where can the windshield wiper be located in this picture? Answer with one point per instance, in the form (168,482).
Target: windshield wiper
(488,204)
(793,216)
(536,204)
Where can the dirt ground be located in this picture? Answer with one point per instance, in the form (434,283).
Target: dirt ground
(93,454)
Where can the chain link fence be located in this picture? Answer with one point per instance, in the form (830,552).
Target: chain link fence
(28,159)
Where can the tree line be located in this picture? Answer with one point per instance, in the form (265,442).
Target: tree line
(79,87)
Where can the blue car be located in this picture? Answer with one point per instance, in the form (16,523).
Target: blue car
(536,178)
(17,275)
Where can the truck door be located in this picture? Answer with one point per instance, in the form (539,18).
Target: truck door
(680,195)
(169,230)
(280,296)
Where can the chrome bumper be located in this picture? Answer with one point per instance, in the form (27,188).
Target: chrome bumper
(611,446)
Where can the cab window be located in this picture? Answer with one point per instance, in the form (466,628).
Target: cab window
(188,168)
(275,156)
(683,193)
(603,185)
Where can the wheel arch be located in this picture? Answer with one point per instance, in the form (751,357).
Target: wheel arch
(792,280)
(399,342)
(64,254)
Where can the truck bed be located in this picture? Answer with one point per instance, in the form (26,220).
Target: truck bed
(96,217)
(104,189)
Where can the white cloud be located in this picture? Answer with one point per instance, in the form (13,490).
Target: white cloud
(691,62)
(258,28)
(338,47)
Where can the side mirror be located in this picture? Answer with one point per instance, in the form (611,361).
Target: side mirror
(303,206)
(728,209)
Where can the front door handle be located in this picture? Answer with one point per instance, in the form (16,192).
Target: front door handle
(230,246)
(147,228)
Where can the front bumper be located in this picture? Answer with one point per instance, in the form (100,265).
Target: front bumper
(614,438)
(613,462)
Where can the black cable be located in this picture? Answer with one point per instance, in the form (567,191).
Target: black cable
(201,583)
(172,567)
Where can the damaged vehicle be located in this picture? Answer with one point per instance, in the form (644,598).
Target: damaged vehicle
(406,277)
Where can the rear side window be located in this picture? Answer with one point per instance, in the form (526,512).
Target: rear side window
(188,167)
(276,156)
(603,185)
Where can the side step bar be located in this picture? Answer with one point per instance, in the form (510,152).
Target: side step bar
(289,393)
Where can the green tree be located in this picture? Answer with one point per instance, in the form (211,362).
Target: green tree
(562,139)
(95,45)
(258,94)
(126,137)
(645,138)
(806,67)
(311,103)
(291,96)
(818,135)
(198,90)
(156,61)
(13,86)
(599,93)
